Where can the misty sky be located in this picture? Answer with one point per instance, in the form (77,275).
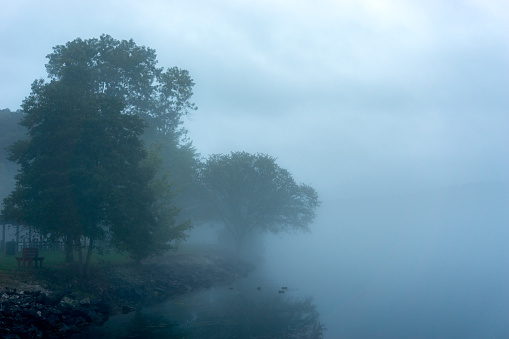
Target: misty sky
(353,97)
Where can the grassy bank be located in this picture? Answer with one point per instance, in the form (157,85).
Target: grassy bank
(56,259)
(108,269)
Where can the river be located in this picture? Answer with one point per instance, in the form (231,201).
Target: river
(427,266)
(248,308)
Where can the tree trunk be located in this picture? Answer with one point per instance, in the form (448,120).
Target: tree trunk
(69,249)
(80,257)
(89,255)
(239,239)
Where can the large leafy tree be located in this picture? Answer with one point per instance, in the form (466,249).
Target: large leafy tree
(85,172)
(161,97)
(122,69)
(250,193)
(179,164)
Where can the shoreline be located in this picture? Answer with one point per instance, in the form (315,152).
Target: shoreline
(44,303)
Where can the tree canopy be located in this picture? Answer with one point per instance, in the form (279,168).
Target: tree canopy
(124,70)
(250,192)
(85,170)
(162,97)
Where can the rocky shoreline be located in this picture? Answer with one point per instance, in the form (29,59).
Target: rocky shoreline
(48,305)
(27,314)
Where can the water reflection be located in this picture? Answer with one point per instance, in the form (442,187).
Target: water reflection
(243,310)
(143,325)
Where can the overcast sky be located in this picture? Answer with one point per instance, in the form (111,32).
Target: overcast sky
(353,97)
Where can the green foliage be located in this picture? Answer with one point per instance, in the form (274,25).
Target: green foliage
(81,167)
(124,70)
(178,164)
(84,167)
(156,233)
(251,193)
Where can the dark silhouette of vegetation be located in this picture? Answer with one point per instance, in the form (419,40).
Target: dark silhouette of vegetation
(122,69)
(103,157)
(85,171)
(250,193)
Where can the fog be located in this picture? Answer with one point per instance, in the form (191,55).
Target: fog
(395,112)
(412,266)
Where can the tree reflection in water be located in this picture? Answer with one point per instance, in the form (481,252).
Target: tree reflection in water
(226,313)
(262,314)
(150,326)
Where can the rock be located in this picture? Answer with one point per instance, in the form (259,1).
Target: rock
(30,315)
(36,312)
(41,298)
(85,301)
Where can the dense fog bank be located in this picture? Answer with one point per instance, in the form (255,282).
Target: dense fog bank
(431,264)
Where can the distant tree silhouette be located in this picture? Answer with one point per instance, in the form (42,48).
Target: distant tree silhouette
(250,193)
